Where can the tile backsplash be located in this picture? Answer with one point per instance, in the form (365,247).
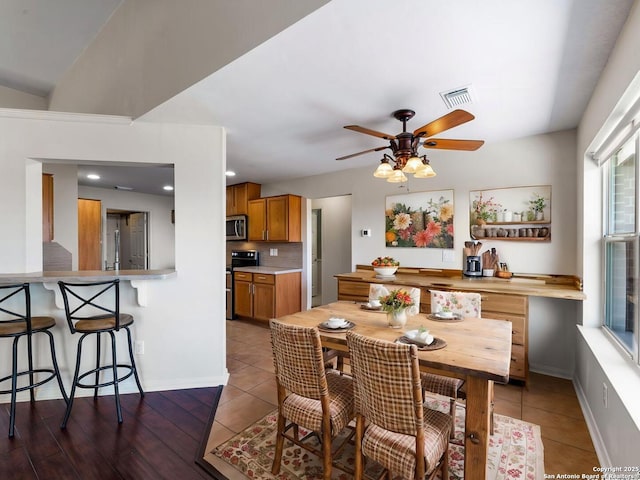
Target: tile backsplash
(289,254)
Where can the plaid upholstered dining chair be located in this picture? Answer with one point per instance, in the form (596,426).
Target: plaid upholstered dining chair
(466,304)
(393,427)
(309,396)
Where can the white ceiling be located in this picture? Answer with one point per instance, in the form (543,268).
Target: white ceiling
(533,65)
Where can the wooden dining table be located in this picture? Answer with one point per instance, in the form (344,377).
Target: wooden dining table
(477,350)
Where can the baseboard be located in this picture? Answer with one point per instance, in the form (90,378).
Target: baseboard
(596,438)
(551,371)
(50,390)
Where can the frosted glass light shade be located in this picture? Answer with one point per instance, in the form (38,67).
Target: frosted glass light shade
(384,170)
(425,171)
(412,165)
(397,176)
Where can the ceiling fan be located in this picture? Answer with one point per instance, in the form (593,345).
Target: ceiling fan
(404,146)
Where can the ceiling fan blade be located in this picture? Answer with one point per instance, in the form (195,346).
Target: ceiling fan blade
(368,131)
(449,144)
(361,153)
(450,120)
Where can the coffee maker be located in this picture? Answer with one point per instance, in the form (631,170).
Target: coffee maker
(472,266)
(472,261)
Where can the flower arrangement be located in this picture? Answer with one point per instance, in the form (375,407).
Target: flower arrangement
(396,300)
(385,262)
(485,210)
(430,226)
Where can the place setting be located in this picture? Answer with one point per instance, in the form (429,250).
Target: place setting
(336,325)
(372,305)
(445,316)
(422,339)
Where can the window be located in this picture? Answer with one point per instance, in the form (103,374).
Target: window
(621,255)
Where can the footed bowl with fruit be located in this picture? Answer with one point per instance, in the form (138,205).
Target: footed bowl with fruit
(385,266)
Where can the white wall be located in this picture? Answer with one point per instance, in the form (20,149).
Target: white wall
(161,230)
(538,160)
(183,325)
(616,430)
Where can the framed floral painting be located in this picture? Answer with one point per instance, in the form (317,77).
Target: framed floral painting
(422,219)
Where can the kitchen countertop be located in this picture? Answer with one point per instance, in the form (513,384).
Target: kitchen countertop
(517,286)
(267,270)
(86,276)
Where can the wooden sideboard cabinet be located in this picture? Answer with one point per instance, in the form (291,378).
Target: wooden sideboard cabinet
(275,219)
(498,306)
(264,296)
(238,197)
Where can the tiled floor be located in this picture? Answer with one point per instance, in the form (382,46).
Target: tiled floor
(549,402)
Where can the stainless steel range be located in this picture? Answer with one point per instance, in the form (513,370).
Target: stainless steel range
(239,258)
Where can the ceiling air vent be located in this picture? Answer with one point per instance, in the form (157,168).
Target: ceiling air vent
(457,97)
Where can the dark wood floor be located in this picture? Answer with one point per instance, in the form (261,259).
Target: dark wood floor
(160,437)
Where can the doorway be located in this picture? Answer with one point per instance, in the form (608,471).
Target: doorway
(330,250)
(127,240)
(316,257)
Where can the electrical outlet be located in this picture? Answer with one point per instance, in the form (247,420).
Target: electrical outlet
(605,395)
(273,252)
(139,347)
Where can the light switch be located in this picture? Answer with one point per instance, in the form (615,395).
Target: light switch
(448,256)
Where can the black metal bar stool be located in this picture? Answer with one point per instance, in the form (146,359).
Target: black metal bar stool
(84,305)
(16,322)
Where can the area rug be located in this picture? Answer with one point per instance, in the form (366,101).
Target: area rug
(515,451)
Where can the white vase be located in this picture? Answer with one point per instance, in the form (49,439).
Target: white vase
(539,215)
(397,318)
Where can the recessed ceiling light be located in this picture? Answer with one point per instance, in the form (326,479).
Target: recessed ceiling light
(168,187)
(93,176)
(230,173)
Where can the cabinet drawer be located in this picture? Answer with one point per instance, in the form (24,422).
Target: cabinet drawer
(264,278)
(518,362)
(247,277)
(496,302)
(357,291)
(518,325)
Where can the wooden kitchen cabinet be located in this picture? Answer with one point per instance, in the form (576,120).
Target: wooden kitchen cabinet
(275,219)
(263,296)
(239,195)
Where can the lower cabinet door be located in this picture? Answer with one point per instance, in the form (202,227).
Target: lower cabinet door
(264,307)
(243,298)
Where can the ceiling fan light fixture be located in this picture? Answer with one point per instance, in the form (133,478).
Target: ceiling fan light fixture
(397,176)
(425,170)
(412,164)
(384,170)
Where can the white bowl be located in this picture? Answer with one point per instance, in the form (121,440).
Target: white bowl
(374,303)
(385,271)
(335,322)
(445,314)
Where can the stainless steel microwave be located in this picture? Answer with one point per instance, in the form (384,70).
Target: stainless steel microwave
(237,227)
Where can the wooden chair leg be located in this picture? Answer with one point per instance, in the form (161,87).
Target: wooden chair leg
(326,452)
(358,440)
(452,412)
(277,458)
(445,464)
